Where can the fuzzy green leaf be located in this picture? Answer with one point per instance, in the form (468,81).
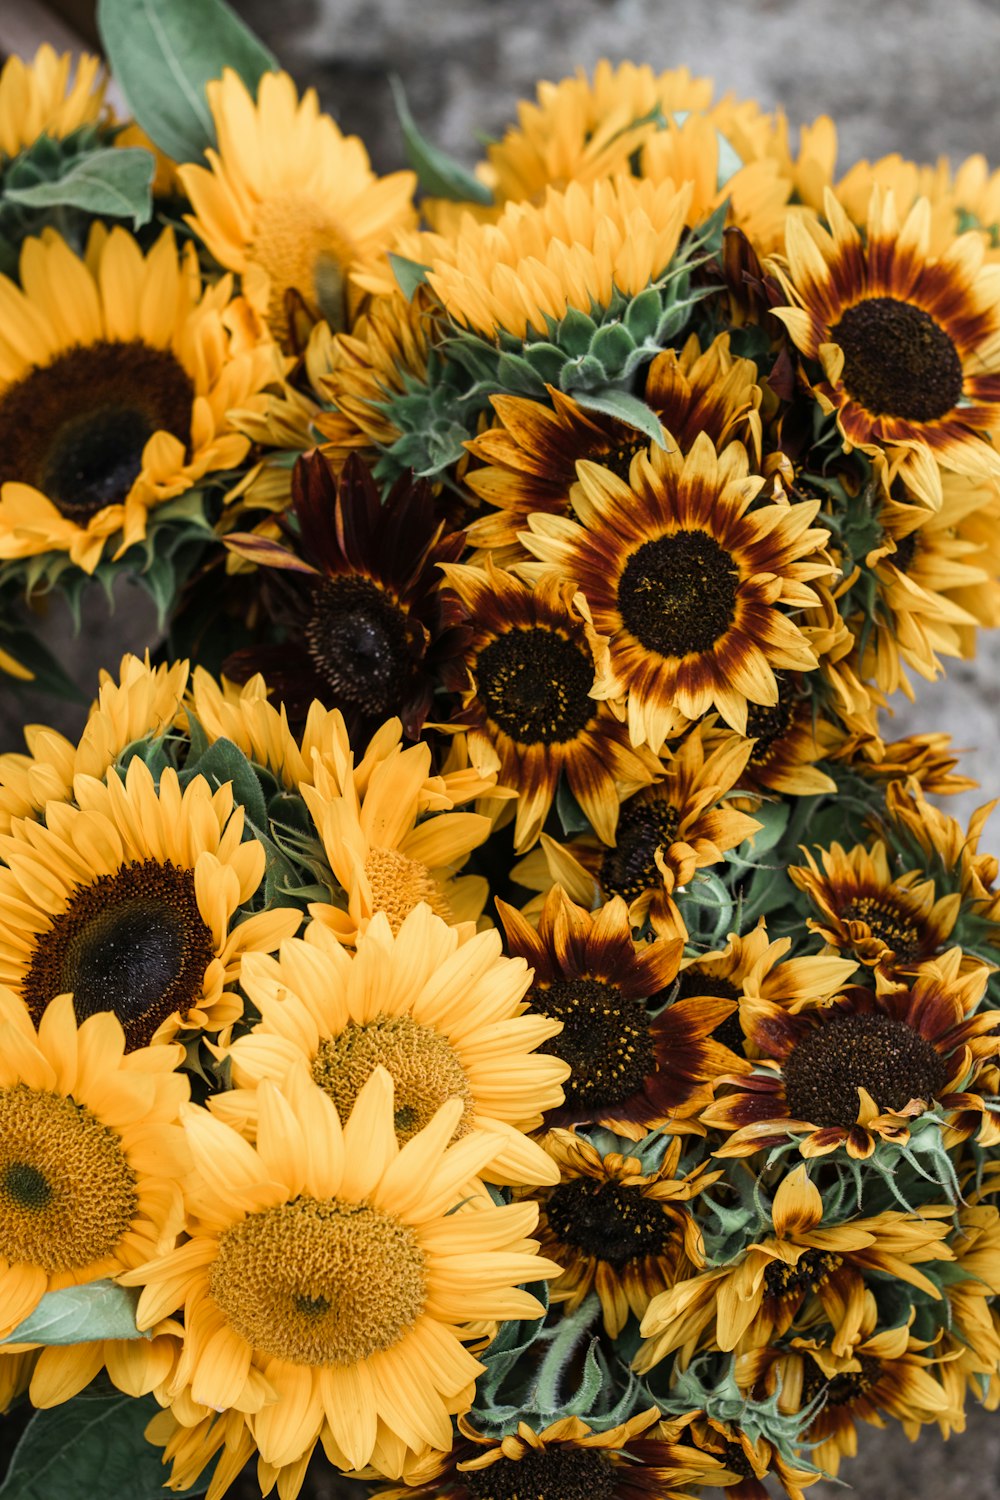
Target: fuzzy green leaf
(80,1315)
(626,407)
(409,273)
(223,762)
(116,182)
(163,55)
(437,172)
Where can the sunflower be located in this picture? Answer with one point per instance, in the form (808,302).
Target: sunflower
(144,702)
(944,846)
(334,1276)
(686,580)
(37,98)
(890,922)
(928,758)
(127,900)
(116,374)
(632,1461)
(757,1297)
(358,600)
(618,1227)
(858,1070)
(636,1060)
(443,1016)
(790,739)
(90,1155)
(907,342)
(527,704)
(292,204)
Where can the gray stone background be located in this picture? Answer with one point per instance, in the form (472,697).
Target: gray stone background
(914,76)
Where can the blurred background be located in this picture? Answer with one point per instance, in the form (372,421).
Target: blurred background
(918,77)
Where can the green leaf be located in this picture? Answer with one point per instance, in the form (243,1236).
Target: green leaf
(80,1315)
(437,172)
(409,273)
(114,181)
(164,52)
(627,408)
(90,1446)
(223,761)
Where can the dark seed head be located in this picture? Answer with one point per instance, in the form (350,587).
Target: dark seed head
(535,685)
(831,1062)
(607,1221)
(677,594)
(898,361)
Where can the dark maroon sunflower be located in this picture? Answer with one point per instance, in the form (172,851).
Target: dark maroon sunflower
(356,599)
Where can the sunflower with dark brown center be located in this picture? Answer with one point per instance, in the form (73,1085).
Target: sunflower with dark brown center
(857,1070)
(907,340)
(526,686)
(636,1061)
(694,585)
(790,738)
(618,1230)
(356,597)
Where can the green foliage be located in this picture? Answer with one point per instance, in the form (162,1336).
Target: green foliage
(80,1315)
(437,172)
(109,182)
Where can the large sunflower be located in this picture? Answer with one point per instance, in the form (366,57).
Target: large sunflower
(116,374)
(334,1277)
(690,585)
(636,1060)
(443,1016)
(908,342)
(127,901)
(291,203)
(90,1155)
(38,98)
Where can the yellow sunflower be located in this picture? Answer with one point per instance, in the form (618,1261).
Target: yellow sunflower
(292,204)
(334,1277)
(116,376)
(909,343)
(688,582)
(39,98)
(127,901)
(90,1154)
(58,1372)
(445,1017)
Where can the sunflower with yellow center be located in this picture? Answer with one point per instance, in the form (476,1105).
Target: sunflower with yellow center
(757,1297)
(907,341)
(444,1016)
(619,1228)
(116,375)
(292,204)
(90,1154)
(638,1059)
(38,98)
(636,1460)
(691,585)
(333,1277)
(127,901)
(145,702)
(858,1071)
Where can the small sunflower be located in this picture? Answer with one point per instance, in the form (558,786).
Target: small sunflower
(334,1277)
(292,204)
(858,1070)
(366,628)
(636,1060)
(38,98)
(127,902)
(90,1154)
(618,1228)
(687,582)
(116,375)
(443,1016)
(907,341)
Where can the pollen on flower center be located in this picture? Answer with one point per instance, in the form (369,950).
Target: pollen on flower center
(606,1220)
(319,1282)
(677,594)
(67,1192)
(844,1388)
(645,826)
(809,1272)
(887,1058)
(358,638)
(605,1039)
(897,360)
(559,1471)
(305,254)
(888,922)
(535,684)
(424,1068)
(398,884)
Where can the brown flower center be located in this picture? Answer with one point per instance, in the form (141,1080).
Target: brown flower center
(769,723)
(729,1031)
(831,1062)
(898,361)
(320,1282)
(535,685)
(618,456)
(134,943)
(76,428)
(644,827)
(559,1471)
(677,594)
(889,922)
(605,1039)
(808,1274)
(361,643)
(608,1221)
(845,1388)
(906,551)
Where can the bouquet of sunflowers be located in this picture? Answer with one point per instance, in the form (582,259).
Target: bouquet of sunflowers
(486,1009)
